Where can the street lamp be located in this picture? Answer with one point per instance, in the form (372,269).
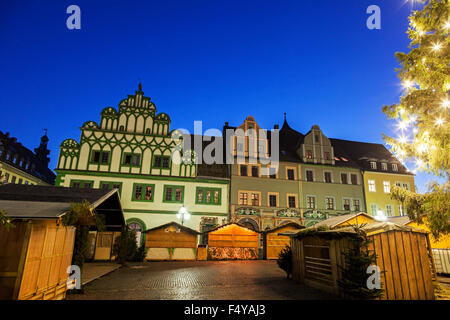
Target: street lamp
(183,214)
(380,216)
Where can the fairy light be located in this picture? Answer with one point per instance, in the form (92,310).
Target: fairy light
(447,25)
(402,139)
(422,147)
(407,84)
(445,103)
(402,125)
(439,121)
(436,46)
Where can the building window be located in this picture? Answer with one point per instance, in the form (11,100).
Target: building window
(243,170)
(136,227)
(386,186)
(401,210)
(356,205)
(161,162)
(394,167)
(316,138)
(329,203)
(308,154)
(347,204)
(354,178)
(389,212)
(309,175)
(243,198)
(344,178)
(273,173)
(373,165)
(327,155)
(384,166)
(81,184)
(143,192)
(255,199)
(292,202)
(373,209)
(13,179)
(290,174)
(328,177)
(106,185)
(272,200)
(173,193)
(121,128)
(406,185)
(208,196)
(132,159)
(100,157)
(371,184)
(6,176)
(310,202)
(255,171)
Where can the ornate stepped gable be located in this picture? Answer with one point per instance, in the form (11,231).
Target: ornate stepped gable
(136,129)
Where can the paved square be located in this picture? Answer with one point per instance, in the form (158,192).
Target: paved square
(198,280)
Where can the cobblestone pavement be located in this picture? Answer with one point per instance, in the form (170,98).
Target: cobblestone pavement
(199,280)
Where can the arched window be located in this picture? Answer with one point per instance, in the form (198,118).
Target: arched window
(147,131)
(121,128)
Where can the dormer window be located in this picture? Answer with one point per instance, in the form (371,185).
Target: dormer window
(308,154)
(394,167)
(316,138)
(384,166)
(373,165)
(327,156)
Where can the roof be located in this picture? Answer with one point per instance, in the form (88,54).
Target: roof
(34,209)
(369,229)
(401,220)
(42,202)
(173,223)
(290,224)
(229,224)
(337,220)
(23,192)
(362,152)
(40,170)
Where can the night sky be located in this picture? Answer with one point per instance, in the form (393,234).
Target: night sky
(211,60)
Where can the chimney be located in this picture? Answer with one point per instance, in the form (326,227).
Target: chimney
(226,123)
(276,127)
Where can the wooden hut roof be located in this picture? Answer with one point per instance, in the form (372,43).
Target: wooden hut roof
(290,224)
(401,220)
(337,220)
(230,224)
(369,229)
(173,223)
(43,202)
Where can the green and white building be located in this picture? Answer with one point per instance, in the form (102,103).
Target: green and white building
(132,149)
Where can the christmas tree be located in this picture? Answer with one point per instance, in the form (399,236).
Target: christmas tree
(423,112)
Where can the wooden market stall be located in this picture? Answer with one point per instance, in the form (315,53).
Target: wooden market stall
(36,253)
(171,241)
(346,220)
(440,246)
(232,242)
(403,253)
(274,242)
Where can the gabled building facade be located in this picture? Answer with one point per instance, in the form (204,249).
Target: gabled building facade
(132,149)
(330,183)
(262,196)
(20,165)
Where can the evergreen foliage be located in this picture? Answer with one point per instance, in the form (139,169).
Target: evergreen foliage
(423,112)
(357,260)
(284,261)
(125,247)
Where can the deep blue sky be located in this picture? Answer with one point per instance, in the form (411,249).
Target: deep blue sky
(211,60)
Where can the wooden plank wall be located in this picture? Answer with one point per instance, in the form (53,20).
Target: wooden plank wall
(159,238)
(442,260)
(404,256)
(48,256)
(12,255)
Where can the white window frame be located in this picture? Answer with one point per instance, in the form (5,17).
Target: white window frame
(315,201)
(386,184)
(369,186)
(392,210)
(373,165)
(384,166)
(394,167)
(331,176)
(371,209)
(350,203)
